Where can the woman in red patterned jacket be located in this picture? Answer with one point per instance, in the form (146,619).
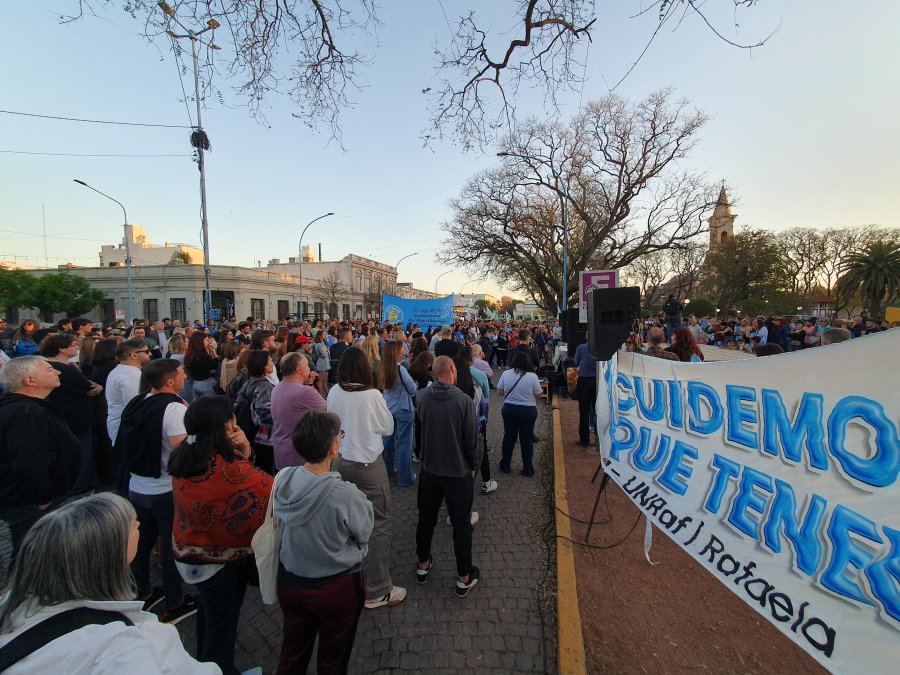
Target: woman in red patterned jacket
(220,502)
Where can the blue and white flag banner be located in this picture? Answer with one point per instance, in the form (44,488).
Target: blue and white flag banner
(779,475)
(425,313)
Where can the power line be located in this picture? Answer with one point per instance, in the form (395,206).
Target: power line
(76,154)
(78,119)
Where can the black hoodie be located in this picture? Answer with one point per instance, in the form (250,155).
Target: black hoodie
(449,425)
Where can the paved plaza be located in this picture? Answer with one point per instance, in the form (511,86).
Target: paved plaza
(499,627)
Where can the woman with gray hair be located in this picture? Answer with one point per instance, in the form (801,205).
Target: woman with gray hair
(71,599)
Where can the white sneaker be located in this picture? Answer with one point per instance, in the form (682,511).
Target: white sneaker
(395,597)
(475,517)
(488,486)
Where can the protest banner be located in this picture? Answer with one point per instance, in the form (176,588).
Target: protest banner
(780,476)
(436,312)
(588,280)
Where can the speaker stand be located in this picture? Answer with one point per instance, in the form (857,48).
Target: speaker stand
(603,482)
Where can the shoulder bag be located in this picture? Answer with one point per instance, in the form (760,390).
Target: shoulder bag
(266,545)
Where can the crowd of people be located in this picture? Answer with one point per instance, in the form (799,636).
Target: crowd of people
(180,439)
(764,335)
(117,441)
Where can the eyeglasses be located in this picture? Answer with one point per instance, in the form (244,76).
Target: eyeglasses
(142,351)
(341,435)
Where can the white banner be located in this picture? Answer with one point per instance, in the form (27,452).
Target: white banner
(780,476)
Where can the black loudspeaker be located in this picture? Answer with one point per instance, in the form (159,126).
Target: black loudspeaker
(573,333)
(612,314)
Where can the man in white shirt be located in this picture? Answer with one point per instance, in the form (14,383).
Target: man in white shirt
(152,427)
(124,381)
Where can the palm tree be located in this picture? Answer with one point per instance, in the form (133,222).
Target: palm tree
(873,273)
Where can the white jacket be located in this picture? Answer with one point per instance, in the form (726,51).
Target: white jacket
(148,647)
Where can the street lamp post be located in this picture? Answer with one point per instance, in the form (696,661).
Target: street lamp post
(398,265)
(404,258)
(198,139)
(439,278)
(130,316)
(564,304)
(300,258)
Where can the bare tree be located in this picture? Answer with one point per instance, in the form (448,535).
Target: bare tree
(676,270)
(305,49)
(649,273)
(613,169)
(330,290)
(473,76)
(803,254)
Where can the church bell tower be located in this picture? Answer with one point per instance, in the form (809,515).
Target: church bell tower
(721,223)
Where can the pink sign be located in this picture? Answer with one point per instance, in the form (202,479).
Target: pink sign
(588,281)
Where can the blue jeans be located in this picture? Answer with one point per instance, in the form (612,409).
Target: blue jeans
(399,445)
(155,514)
(205,387)
(518,420)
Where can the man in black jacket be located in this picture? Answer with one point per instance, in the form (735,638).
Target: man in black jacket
(345,337)
(672,309)
(450,458)
(39,455)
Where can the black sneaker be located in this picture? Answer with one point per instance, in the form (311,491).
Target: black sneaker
(422,575)
(462,589)
(187,608)
(153,599)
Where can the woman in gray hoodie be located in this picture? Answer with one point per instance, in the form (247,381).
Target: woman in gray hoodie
(325,524)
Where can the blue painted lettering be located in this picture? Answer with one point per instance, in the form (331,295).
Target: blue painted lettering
(882,467)
(705,408)
(884,576)
(748,499)
(658,409)
(725,471)
(780,437)
(739,414)
(846,552)
(678,471)
(804,538)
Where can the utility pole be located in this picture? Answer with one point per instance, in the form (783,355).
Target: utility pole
(199,140)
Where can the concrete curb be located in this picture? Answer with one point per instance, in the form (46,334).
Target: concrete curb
(570,642)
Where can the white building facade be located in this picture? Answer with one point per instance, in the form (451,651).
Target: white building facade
(145,253)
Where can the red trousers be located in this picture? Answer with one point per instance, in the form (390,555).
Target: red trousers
(331,612)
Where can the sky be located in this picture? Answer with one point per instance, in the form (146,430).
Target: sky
(804,131)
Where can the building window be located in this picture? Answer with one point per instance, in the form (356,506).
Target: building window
(284,309)
(359,285)
(305,310)
(258,308)
(346,312)
(359,311)
(317,308)
(178,309)
(151,310)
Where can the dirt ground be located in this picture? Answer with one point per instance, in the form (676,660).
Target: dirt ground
(673,617)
